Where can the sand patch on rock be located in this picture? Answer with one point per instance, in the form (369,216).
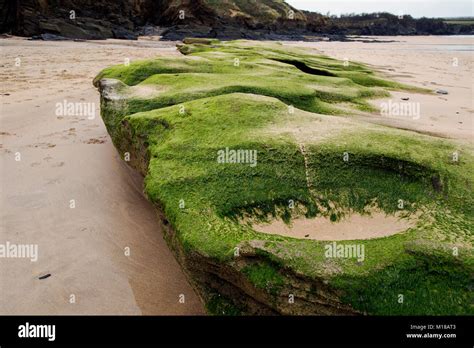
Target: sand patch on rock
(355,226)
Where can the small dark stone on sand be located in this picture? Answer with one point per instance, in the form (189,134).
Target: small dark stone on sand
(45,276)
(405,98)
(441,91)
(307,235)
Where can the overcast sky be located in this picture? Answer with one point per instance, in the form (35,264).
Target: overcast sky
(416,8)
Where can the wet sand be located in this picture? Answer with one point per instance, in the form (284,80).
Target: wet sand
(66,158)
(354,226)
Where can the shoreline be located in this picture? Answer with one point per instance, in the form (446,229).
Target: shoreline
(310,39)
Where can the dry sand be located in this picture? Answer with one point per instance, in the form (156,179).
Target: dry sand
(67,158)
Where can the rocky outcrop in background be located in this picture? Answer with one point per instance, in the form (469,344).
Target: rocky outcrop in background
(79,19)
(125,19)
(388,24)
(176,19)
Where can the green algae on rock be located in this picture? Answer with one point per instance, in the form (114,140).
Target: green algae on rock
(172,118)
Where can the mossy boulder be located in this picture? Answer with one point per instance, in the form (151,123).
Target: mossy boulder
(179,121)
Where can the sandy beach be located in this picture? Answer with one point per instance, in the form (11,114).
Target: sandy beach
(68,159)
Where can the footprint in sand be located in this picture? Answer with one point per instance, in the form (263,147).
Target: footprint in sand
(35,164)
(43,145)
(7,134)
(59,164)
(54,181)
(95,141)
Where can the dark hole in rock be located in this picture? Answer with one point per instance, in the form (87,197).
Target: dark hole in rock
(436,182)
(304,68)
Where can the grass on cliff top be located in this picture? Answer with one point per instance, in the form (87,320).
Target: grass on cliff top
(207,103)
(262,11)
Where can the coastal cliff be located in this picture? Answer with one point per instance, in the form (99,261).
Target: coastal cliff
(226,19)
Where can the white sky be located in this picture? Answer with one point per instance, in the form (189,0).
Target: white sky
(416,8)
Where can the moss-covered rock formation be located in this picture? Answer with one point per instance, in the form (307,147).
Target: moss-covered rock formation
(177,120)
